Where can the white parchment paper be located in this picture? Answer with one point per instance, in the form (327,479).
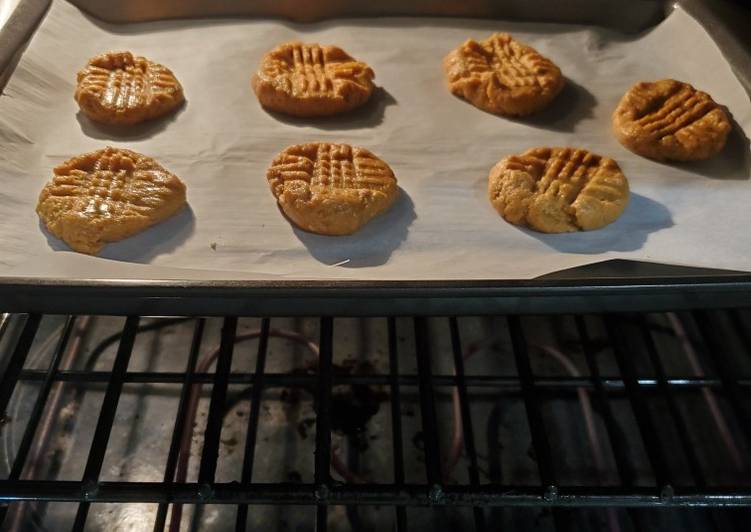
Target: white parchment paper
(440,148)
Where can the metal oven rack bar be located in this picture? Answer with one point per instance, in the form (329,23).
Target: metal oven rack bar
(434,491)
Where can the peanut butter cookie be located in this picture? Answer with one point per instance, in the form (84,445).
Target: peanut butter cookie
(312,80)
(670,120)
(557,190)
(331,189)
(120,88)
(107,195)
(503,76)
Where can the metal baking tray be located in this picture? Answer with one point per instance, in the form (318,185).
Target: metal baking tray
(605,286)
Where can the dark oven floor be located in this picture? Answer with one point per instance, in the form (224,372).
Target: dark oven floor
(613,422)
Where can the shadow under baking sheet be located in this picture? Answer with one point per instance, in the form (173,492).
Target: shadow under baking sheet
(642,217)
(162,238)
(370,246)
(143,130)
(368,115)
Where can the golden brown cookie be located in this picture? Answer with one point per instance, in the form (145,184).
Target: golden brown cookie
(503,76)
(120,88)
(312,80)
(557,190)
(670,120)
(107,195)
(331,189)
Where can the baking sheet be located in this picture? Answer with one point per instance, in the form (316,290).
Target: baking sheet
(440,148)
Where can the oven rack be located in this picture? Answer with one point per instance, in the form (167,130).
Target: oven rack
(722,337)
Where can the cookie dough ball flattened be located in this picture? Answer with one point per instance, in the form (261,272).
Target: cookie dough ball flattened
(311,80)
(107,195)
(670,120)
(503,76)
(120,88)
(331,189)
(557,190)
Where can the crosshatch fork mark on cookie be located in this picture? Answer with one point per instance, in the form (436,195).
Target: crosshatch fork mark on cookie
(331,189)
(108,195)
(327,166)
(680,108)
(507,63)
(108,184)
(309,69)
(557,190)
(561,172)
(670,120)
(310,80)
(302,68)
(119,87)
(501,75)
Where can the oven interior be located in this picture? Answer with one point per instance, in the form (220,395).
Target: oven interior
(609,422)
